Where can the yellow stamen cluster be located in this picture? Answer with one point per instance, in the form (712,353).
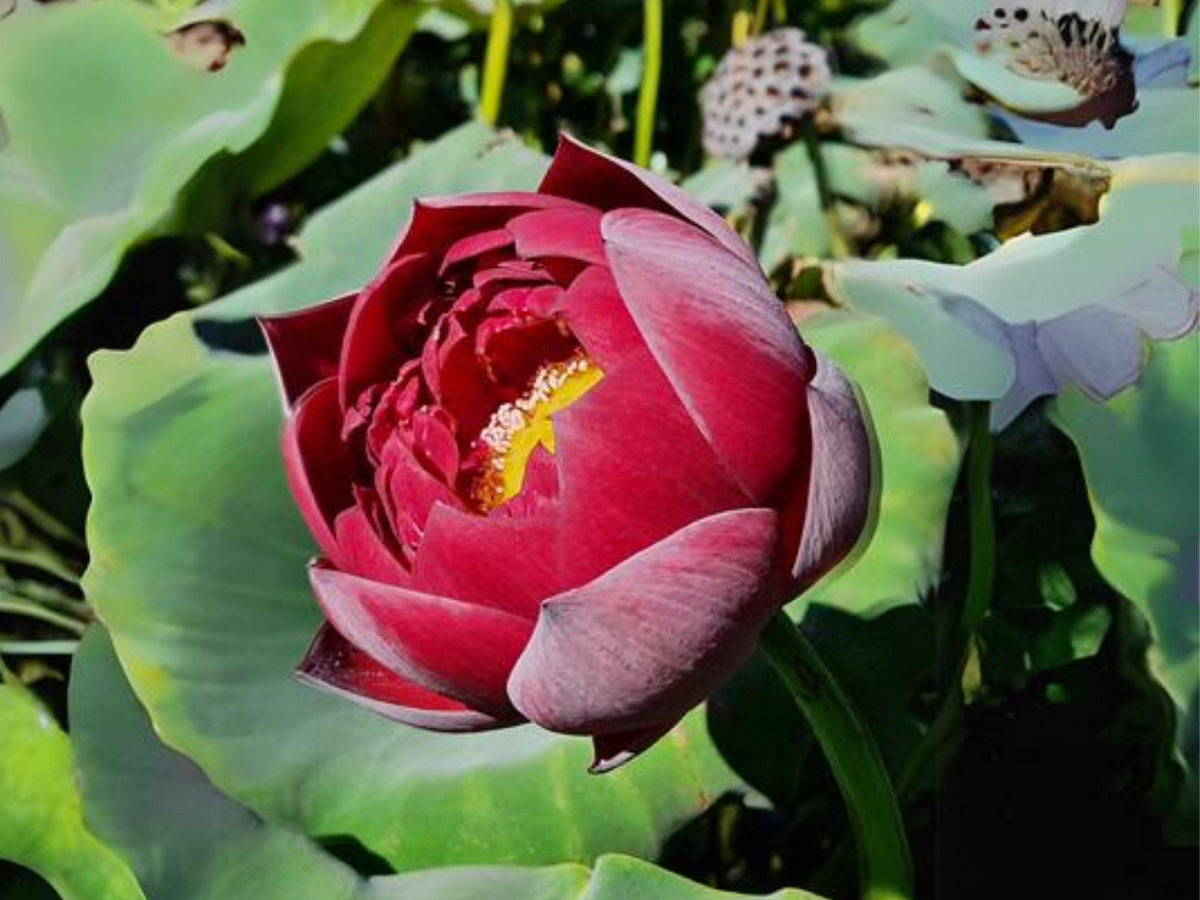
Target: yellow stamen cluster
(518,427)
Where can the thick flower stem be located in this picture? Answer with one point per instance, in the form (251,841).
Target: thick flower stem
(652,46)
(495,61)
(838,246)
(885,866)
(981,577)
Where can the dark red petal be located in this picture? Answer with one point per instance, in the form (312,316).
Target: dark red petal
(501,562)
(538,301)
(723,340)
(437,222)
(648,640)
(633,469)
(475,245)
(843,488)
(317,463)
(611,751)
(383,331)
(335,665)
(360,550)
(605,182)
(455,649)
(566,233)
(596,314)
(306,345)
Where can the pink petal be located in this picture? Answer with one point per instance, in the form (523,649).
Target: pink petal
(843,484)
(633,469)
(383,331)
(611,751)
(455,649)
(336,666)
(568,233)
(648,640)
(474,245)
(360,550)
(306,345)
(605,182)
(437,222)
(505,563)
(596,314)
(317,463)
(723,340)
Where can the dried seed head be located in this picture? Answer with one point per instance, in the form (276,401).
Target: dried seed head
(760,90)
(1049,43)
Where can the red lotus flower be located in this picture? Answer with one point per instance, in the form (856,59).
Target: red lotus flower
(563,458)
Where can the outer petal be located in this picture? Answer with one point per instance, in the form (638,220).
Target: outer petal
(654,636)
(306,345)
(611,751)
(317,464)
(581,173)
(335,665)
(438,222)
(722,339)
(633,469)
(505,563)
(452,648)
(843,488)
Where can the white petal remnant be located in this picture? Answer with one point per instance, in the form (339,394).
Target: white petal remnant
(761,90)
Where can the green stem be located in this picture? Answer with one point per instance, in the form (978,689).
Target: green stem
(885,866)
(982,573)
(647,106)
(760,18)
(18,607)
(839,247)
(981,576)
(38,648)
(495,61)
(38,559)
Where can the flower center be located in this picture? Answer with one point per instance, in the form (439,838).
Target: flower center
(517,428)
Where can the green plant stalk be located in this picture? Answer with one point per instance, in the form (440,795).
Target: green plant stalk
(839,248)
(18,607)
(1172,17)
(38,559)
(647,106)
(981,578)
(885,864)
(495,61)
(760,18)
(982,574)
(38,648)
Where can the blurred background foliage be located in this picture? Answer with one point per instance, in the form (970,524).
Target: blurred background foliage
(168,170)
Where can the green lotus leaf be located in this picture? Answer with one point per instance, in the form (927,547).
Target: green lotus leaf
(188,841)
(1141,457)
(919,460)
(147,127)
(1128,264)
(41,818)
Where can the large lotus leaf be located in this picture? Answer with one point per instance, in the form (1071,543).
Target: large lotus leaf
(342,246)
(198,570)
(1125,265)
(1141,458)
(919,458)
(101,76)
(41,817)
(188,841)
